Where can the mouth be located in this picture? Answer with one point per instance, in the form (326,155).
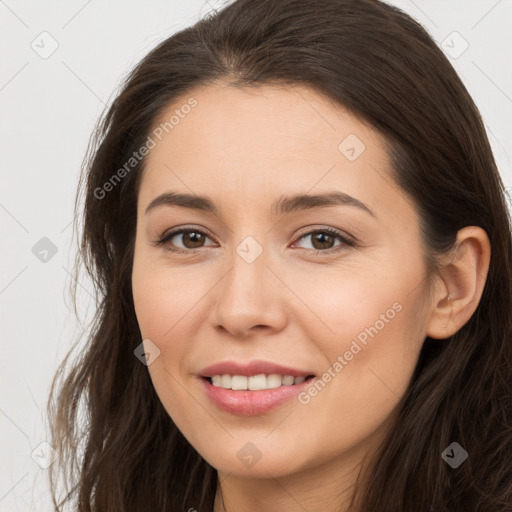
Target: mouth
(252,389)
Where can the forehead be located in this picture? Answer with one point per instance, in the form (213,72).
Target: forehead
(245,142)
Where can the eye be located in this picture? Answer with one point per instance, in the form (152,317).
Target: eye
(190,239)
(323,240)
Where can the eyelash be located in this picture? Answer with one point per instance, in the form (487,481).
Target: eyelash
(345,241)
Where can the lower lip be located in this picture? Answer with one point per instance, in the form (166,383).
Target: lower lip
(251,403)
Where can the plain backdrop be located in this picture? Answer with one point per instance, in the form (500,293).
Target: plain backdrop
(62,62)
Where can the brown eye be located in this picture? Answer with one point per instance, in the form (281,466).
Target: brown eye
(191,239)
(325,239)
(322,240)
(183,240)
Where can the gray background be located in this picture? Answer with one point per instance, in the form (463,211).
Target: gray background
(50,104)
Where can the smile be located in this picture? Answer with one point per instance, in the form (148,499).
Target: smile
(252,388)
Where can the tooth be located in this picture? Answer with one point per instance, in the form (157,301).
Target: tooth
(288,380)
(257,382)
(273,380)
(226,381)
(238,382)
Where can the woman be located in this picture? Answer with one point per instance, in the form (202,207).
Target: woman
(299,235)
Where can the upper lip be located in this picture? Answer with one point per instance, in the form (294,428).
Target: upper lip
(251,368)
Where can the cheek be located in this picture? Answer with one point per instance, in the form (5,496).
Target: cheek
(164,296)
(370,335)
(368,372)
(349,304)
(169,305)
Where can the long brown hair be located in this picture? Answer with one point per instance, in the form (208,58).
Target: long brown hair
(119,449)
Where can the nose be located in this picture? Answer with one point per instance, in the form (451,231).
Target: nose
(249,299)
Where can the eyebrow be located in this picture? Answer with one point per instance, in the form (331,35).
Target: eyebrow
(284,205)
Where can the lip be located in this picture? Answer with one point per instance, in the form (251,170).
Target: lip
(252,368)
(251,403)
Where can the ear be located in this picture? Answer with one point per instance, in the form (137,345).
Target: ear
(459,283)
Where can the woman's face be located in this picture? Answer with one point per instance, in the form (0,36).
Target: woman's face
(301,257)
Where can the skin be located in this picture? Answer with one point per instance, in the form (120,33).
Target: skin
(294,304)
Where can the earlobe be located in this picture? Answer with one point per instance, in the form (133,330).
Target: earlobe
(460,283)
